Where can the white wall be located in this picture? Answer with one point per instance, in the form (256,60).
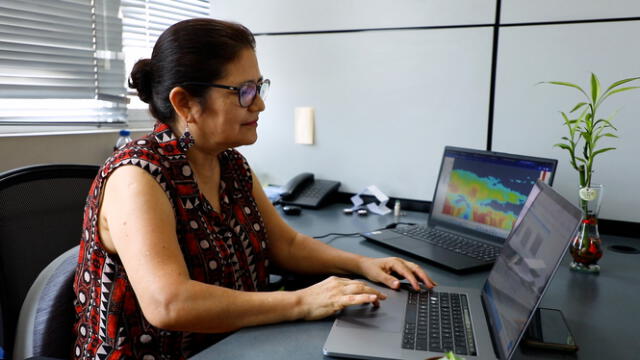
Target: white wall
(386,102)
(424,88)
(383,101)
(295,15)
(524,11)
(19,151)
(528,55)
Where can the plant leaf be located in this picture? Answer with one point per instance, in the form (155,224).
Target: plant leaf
(624,89)
(618,83)
(607,121)
(578,106)
(600,135)
(618,91)
(595,88)
(584,113)
(563,83)
(601,151)
(568,121)
(563,146)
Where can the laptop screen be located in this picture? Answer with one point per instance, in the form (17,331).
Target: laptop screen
(485,191)
(526,264)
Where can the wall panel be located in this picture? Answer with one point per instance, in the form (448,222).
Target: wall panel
(296,15)
(527,118)
(519,11)
(386,104)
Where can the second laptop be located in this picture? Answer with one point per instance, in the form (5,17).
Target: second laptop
(478,197)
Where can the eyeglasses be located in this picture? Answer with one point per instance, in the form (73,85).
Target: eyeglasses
(246,91)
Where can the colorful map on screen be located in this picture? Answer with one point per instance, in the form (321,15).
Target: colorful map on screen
(485,200)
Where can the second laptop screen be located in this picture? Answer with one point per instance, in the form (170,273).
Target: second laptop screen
(485,192)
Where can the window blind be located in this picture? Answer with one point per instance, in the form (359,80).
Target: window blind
(144,20)
(61,61)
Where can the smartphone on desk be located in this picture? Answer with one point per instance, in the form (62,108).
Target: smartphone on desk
(549,330)
(306,191)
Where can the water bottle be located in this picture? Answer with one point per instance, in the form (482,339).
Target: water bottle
(125,137)
(397,211)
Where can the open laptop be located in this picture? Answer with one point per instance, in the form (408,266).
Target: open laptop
(486,323)
(478,197)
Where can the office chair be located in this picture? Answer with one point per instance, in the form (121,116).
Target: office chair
(41,213)
(47,314)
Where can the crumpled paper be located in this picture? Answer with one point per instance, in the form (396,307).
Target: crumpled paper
(376,208)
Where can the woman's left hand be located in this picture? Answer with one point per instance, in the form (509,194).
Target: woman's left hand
(381,269)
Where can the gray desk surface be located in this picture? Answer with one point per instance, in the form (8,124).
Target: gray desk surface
(602,310)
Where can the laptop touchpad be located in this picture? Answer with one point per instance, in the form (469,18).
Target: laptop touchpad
(387,317)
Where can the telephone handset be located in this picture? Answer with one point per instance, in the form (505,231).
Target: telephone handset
(306,191)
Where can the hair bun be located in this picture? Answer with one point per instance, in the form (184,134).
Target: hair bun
(141,78)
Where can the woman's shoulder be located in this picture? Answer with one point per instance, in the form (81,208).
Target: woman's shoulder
(144,152)
(147,156)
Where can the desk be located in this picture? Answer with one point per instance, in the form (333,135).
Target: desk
(602,310)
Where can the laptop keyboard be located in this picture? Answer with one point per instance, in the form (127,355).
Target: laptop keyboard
(452,242)
(439,322)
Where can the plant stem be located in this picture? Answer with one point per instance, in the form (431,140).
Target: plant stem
(589,148)
(584,204)
(583,184)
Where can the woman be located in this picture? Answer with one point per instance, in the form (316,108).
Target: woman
(179,236)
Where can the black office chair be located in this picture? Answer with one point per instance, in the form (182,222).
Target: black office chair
(41,212)
(47,314)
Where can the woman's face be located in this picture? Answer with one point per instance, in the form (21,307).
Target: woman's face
(223,123)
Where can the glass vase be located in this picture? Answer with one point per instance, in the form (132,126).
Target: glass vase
(586,247)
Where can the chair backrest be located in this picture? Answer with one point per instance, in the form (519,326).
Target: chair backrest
(41,213)
(47,314)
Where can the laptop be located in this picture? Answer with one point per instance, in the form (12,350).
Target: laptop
(485,323)
(478,197)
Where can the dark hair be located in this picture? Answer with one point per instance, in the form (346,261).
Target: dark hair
(194,50)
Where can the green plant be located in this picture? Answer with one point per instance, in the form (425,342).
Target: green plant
(586,130)
(451,356)
(447,356)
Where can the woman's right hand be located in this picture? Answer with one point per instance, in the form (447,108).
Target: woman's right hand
(334,294)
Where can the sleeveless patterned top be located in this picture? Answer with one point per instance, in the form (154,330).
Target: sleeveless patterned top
(227,249)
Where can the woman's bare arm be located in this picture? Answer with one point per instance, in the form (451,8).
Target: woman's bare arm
(300,253)
(141,230)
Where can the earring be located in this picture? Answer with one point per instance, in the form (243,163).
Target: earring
(186,140)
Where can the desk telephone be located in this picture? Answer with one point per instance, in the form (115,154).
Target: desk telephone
(303,190)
